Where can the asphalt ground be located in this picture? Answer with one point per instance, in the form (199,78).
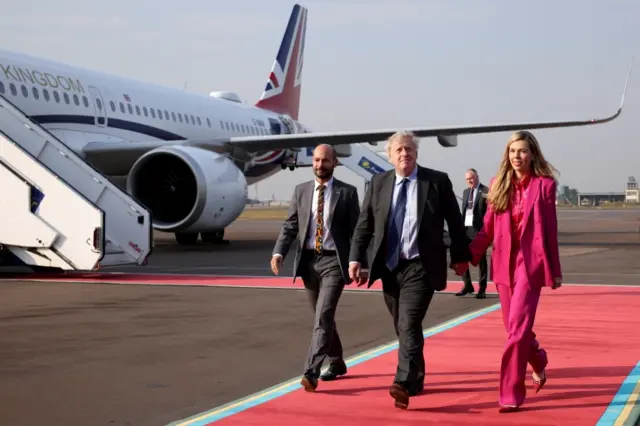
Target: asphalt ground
(104,354)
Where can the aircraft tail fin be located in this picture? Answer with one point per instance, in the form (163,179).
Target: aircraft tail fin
(282,92)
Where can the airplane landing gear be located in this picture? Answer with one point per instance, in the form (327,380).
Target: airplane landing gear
(186,238)
(215,237)
(191,238)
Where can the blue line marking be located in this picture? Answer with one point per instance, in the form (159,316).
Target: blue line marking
(619,401)
(289,386)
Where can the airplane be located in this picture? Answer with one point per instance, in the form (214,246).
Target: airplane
(189,157)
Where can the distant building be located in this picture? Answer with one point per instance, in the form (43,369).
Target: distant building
(597,198)
(632,193)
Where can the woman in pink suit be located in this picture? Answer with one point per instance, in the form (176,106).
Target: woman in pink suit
(521,223)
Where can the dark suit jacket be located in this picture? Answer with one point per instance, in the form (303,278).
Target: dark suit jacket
(345,208)
(479,205)
(436,203)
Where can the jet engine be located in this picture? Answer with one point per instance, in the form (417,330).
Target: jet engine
(188,189)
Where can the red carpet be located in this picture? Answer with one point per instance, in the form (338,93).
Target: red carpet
(590,333)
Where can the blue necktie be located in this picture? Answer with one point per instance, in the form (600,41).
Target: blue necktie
(395,227)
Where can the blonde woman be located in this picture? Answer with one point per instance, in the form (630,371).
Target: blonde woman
(521,223)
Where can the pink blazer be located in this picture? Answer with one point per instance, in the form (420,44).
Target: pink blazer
(539,237)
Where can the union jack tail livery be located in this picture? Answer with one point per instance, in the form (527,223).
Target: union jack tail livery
(282,92)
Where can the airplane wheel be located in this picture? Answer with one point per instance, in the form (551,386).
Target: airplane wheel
(213,237)
(185,239)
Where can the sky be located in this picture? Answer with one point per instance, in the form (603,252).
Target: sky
(383,64)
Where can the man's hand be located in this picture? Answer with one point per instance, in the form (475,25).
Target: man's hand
(460,268)
(355,273)
(276,263)
(557,283)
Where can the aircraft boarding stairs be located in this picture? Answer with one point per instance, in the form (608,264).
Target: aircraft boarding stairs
(363,161)
(56,210)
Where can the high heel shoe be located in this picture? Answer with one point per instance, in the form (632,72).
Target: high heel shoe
(540,382)
(508,409)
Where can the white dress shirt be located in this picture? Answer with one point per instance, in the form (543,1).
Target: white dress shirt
(327,238)
(409,238)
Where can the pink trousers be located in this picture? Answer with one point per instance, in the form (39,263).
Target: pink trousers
(519,303)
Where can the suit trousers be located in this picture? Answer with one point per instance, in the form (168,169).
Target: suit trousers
(407,294)
(482,266)
(519,303)
(324,284)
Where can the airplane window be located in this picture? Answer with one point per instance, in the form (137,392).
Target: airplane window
(208,122)
(180,117)
(99,103)
(121,107)
(173,115)
(226,125)
(56,96)
(153,112)
(113,106)
(1,87)
(66,97)
(193,120)
(36,94)
(166,115)
(13,89)
(146,113)
(85,101)
(160,113)
(25,92)
(221,125)
(199,122)
(130,108)
(137,110)
(76,100)
(45,93)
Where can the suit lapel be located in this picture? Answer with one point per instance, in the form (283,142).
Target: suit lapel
(465,201)
(532,195)
(423,191)
(336,191)
(386,196)
(305,207)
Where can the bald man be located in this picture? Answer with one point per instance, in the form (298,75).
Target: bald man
(322,217)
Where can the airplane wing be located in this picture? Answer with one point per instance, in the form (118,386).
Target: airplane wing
(447,136)
(126,152)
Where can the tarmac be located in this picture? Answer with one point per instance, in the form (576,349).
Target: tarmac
(114,354)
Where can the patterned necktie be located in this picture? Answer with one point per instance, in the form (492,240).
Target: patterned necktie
(320,220)
(470,200)
(395,227)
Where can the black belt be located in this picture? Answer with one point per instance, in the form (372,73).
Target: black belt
(323,253)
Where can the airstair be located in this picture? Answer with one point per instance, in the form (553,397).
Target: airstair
(56,210)
(363,161)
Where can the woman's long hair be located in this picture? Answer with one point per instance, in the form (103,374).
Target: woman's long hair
(500,191)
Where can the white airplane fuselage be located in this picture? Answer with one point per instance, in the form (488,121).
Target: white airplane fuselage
(81,106)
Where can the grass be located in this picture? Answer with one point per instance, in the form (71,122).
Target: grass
(264,213)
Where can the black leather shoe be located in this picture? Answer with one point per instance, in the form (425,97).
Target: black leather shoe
(481,295)
(309,383)
(464,292)
(335,370)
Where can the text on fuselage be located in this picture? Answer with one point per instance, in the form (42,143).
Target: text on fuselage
(45,79)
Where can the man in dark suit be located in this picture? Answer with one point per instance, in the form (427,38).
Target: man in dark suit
(474,207)
(404,211)
(322,217)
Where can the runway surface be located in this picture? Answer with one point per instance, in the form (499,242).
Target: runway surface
(105,354)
